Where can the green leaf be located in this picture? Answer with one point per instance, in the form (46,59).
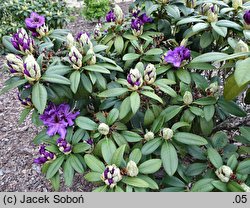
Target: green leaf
(86,83)
(108,149)
(112,116)
(149,117)
(58,70)
(169,158)
(94,164)
(152,95)
(117,157)
(39,97)
(119,44)
(55,181)
(6,40)
(97,68)
(150,166)
(231,107)
(131,136)
(220,186)
(131,57)
(86,123)
(189,20)
(152,184)
(206,101)
(233,186)
(135,155)
(199,27)
(135,102)
(99,48)
(55,78)
(68,173)
(171,112)
(222,31)
(78,135)
(243,167)
(125,108)
(151,146)
(154,51)
(220,140)
(209,111)
(209,57)
(231,88)
(12,86)
(76,163)
(214,157)
(81,147)
(93,177)
(100,189)
(54,167)
(75,80)
(24,115)
(229,24)
(179,125)
(195,169)
(113,92)
(232,162)
(203,185)
(241,73)
(245,131)
(206,39)
(189,139)
(184,76)
(135,181)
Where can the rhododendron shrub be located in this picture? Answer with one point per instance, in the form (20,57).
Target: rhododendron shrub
(140,103)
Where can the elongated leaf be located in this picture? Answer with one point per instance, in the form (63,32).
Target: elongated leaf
(68,173)
(209,57)
(189,139)
(169,158)
(58,69)
(108,149)
(154,51)
(93,176)
(135,102)
(12,86)
(130,57)
(113,92)
(113,116)
(214,157)
(151,146)
(232,108)
(203,185)
(131,136)
(117,157)
(55,78)
(76,163)
(135,155)
(81,147)
(244,167)
(241,74)
(75,80)
(135,181)
(39,97)
(125,108)
(119,44)
(97,68)
(86,123)
(94,164)
(150,166)
(152,95)
(54,167)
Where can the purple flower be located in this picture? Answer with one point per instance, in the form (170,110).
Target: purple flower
(136,12)
(33,22)
(177,56)
(145,19)
(58,118)
(26,102)
(45,155)
(136,24)
(89,141)
(246,17)
(22,42)
(64,146)
(110,17)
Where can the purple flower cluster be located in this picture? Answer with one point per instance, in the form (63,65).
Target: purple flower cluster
(246,17)
(138,21)
(58,118)
(130,81)
(177,56)
(45,155)
(34,22)
(22,42)
(110,17)
(64,146)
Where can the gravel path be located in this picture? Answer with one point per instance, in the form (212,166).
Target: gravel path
(17,170)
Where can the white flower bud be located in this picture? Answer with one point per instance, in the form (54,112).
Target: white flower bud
(32,71)
(111,175)
(188,98)
(236,4)
(167,133)
(70,41)
(241,47)
(92,60)
(149,136)
(15,64)
(43,30)
(150,74)
(118,14)
(132,169)
(103,129)
(75,58)
(224,173)
(191,3)
(134,78)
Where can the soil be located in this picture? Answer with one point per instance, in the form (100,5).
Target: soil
(17,170)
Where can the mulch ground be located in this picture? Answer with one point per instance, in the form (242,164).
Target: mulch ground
(17,170)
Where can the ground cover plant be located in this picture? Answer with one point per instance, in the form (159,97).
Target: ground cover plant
(136,105)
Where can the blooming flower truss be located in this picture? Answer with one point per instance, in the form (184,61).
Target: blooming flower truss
(112,109)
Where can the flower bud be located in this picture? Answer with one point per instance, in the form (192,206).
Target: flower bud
(64,146)
(92,59)
(119,16)
(45,156)
(85,42)
(111,175)
(213,88)
(212,14)
(132,169)
(22,42)
(91,143)
(163,1)
(150,74)
(188,98)
(15,64)
(236,4)
(149,136)
(103,129)
(224,173)
(97,31)
(26,102)
(42,31)
(167,133)
(134,78)
(110,17)
(241,47)
(191,3)
(70,41)
(32,71)
(75,58)
(245,187)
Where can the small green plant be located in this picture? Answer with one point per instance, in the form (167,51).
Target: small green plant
(96,9)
